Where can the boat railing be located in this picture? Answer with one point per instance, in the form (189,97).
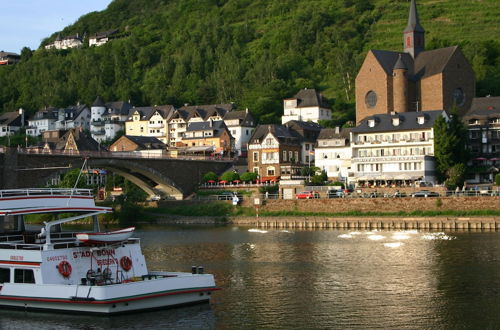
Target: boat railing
(45,192)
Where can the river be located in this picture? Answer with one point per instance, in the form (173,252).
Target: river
(322,279)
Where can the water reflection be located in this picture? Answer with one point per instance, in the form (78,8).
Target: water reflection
(325,279)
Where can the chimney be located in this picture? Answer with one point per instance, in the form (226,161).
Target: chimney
(21,112)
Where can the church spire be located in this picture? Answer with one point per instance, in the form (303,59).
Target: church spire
(414,33)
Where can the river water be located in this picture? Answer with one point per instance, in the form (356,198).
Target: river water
(323,279)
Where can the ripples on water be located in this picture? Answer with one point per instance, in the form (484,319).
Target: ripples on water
(329,279)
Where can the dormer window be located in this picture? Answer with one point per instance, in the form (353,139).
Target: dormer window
(420,120)
(395,121)
(371,122)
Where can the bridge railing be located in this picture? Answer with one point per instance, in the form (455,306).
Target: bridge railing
(45,192)
(116,154)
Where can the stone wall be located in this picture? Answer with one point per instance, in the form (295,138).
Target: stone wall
(407,204)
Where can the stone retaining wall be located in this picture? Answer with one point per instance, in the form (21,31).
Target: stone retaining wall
(407,204)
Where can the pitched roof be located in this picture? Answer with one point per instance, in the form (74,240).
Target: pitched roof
(431,62)
(334,133)
(206,111)
(145,142)
(244,117)
(407,121)
(388,60)
(484,107)
(12,118)
(98,102)
(76,110)
(104,34)
(218,127)
(83,141)
(118,108)
(282,133)
(310,98)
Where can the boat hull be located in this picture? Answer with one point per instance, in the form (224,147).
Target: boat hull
(110,299)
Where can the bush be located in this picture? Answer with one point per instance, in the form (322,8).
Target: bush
(338,183)
(248,176)
(497,179)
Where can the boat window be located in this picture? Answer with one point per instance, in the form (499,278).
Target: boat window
(24,276)
(4,275)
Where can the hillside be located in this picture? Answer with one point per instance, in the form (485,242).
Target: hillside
(251,52)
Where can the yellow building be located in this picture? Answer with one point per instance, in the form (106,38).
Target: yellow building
(150,121)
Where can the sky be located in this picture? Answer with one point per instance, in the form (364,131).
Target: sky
(24,23)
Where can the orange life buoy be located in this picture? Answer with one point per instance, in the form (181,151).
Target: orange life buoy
(126,263)
(64,268)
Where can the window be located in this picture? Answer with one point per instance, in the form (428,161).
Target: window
(4,275)
(255,156)
(256,170)
(247,132)
(459,97)
(270,171)
(371,99)
(284,155)
(307,159)
(307,146)
(296,155)
(24,276)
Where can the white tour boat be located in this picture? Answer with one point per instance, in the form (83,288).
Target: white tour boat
(102,273)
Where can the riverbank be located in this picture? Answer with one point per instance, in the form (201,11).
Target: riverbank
(328,222)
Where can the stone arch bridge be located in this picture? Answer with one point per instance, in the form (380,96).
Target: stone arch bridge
(172,177)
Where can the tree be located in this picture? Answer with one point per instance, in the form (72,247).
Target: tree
(456,176)
(248,176)
(230,176)
(69,179)
(449,145)
(210,176)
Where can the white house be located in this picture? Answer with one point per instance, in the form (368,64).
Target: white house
(66,42)
(43,120)
(306,105)
(11,122)
(395,147)
(100,38)
(73,117)
(241,126)
(333,153)
(107,119)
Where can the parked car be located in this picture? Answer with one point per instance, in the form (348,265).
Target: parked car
(307,195)
(336,194)
(425,193)
(423,184)
(155,198)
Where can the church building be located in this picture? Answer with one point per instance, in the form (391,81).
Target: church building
(415,79)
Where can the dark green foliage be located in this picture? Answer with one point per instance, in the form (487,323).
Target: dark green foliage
(210,176)
(319,179)
(230,176)
(269,189)
(248,176)
(450,148)
(497,179)
(254,53)
(456,176)
(70,178)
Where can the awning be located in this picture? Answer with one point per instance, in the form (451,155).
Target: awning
(269,178)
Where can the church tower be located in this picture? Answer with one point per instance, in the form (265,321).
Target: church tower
(414,33)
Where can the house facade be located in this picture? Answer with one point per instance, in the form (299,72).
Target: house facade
(397,147)
(150,121)
(212,135)
(101,38)
(334,153)
(11,122)
(128,143)
(415,79)
(483,125)
(107,119)
(43,120)
(274,151)
(308,133)
(74,116)
(187,114)
(8,58)
(65,42)
(306,105)
(241,125)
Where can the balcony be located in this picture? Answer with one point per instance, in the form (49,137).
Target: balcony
(156,125)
